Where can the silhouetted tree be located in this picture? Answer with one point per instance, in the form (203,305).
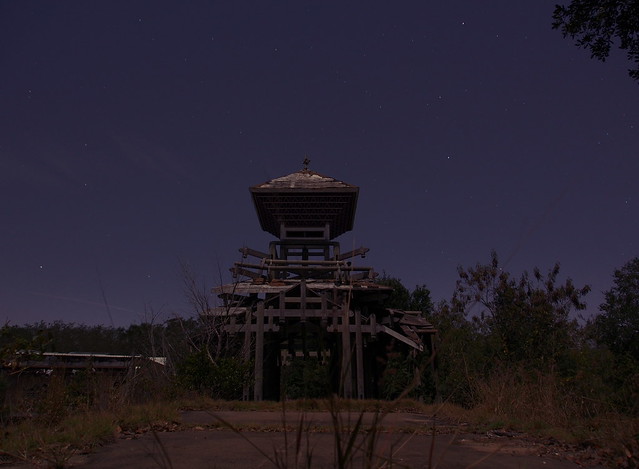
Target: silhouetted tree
(525,319)
(618,324)
(598,24)
(402,298)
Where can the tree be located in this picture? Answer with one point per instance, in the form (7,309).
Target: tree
(521,320)
(618,325)
(401,298)
(420,300)
(598,24)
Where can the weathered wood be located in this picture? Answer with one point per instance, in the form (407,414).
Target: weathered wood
(347,379)
(247,273)
(282,307)
(308,299)
(250,328)
(359,355)
(246,251)
(307,262)
(269,316)
(259,353)
(373,325)
(303,301)
(324,307)
(296,313)
(303,286)
(246,328)
(365,328)
(355,252)
(331,266)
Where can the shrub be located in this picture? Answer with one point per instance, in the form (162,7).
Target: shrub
(223,379)
(305,378)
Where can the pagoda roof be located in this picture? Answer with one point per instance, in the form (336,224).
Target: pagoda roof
(303,180)
(305,199)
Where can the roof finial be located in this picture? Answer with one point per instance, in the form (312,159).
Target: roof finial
(306,162)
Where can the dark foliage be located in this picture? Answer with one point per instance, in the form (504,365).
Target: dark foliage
(617,326)
(305,378)
(597,25)
(417,300)
(223,379)
(525,319)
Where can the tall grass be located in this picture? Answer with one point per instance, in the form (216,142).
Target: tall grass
(52,417)
(544,404)
(63,419)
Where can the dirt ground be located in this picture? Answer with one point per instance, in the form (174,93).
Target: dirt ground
(201,441)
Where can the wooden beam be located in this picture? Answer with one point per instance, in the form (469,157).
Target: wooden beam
(402,338)
(252,252)
(247,273)
(294,266)
(250,328)
(355,252)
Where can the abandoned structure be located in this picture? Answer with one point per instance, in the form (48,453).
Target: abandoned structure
(306,299)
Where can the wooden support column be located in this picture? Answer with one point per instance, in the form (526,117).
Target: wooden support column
(324,307)
(247,349)
(303,300)
(270,318)
(359,354)
(347,379)
(259,353)
(373,323)
(282,307)
(232,323)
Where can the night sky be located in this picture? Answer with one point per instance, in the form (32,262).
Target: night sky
(130,132)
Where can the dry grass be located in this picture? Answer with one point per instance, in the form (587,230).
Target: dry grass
(199,402)
(540,405)
(30,441)
(37,440)
(535,404)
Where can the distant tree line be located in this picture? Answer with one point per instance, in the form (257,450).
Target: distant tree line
(496,324)
(498,327)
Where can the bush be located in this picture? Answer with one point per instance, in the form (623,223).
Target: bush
(224,379)
(305,379)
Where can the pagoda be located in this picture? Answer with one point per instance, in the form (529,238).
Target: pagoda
(303,298)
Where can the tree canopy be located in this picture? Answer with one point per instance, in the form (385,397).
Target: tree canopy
(417,300)
(618,325)
(525,319)
(597,25)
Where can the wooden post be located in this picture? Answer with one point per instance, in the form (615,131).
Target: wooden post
(324,306)
(303,300)
(247,349)
(259,353)
(373,322)
(347,379)
(282,307)
(359,354)
(270,318)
